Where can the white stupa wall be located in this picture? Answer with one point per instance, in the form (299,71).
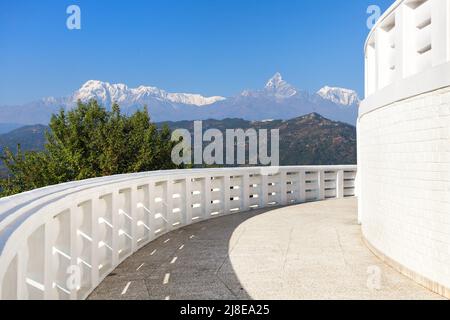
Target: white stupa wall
(404,141)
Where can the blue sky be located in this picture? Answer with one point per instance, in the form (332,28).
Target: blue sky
(212,47)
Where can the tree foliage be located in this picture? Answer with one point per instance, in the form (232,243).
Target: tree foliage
(86,142)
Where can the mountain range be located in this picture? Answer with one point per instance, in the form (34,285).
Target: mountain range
(277,100)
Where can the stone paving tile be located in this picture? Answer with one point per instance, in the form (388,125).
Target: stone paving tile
(113,289)
(309,251)
(182,286)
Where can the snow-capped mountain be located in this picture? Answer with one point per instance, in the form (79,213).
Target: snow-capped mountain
(275,87)
(107,93)
(280,88)
(276,100)
(340,96)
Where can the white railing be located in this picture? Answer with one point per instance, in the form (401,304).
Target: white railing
(410,39)
(59,242)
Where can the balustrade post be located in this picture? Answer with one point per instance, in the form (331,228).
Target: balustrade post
(206,197)
(151,209)
(115,227)
(302,186)
(226,194)
(379,57)
(95,239)
(447,37)
(75,213)
(245,192)
(283,187)
(22,261)
(321,177)
(340,184)
(402,43)
(133,214)
(188,200)
(440,31)
(371,68)
(168,199)
(264,191)
(49,272)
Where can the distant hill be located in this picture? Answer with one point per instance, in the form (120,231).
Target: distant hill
(29,138)
(307,140)
(8,127)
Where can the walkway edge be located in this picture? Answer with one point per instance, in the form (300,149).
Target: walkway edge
(416,277)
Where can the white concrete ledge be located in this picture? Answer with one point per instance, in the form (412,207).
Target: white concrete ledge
(427,81)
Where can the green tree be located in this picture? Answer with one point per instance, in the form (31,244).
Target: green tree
(86,142)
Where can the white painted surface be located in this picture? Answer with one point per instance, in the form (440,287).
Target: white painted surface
(407,52)
(404,140)
(95,224)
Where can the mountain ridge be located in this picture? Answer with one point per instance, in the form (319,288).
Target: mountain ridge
(277,100)
(307,140)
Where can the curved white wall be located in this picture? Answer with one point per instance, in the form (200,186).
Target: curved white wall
(46,235)
(404,141)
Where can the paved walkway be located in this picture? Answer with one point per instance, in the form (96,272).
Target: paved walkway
(308,251)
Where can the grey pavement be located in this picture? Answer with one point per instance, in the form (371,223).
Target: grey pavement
(308,251)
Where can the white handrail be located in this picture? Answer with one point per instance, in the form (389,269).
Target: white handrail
(407,52)
(59,242)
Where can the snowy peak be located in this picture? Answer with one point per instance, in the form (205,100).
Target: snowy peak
(279,88)
(193,99)
(345,97)
(102,91)
(108,93)
(276,81)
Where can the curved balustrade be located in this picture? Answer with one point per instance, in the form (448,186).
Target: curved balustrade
(407,52)
(59,242)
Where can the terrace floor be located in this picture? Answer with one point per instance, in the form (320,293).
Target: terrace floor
(307,251)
